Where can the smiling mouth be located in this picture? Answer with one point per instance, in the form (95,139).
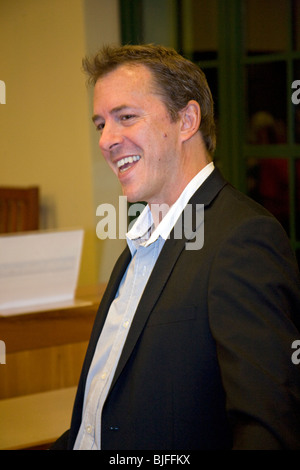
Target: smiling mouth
(125,163)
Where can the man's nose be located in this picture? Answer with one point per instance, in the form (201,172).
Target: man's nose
(110,137)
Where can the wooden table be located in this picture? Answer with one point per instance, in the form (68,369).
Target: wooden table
(35,421)
(57,326)
(44,355)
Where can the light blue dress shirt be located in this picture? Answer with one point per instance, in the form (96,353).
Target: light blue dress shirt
(145,244)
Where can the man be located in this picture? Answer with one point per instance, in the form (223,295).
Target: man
(192,344)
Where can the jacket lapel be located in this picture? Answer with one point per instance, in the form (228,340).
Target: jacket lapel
(164,266)
(107,299)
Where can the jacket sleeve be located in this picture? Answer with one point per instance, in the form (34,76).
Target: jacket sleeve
(254,308)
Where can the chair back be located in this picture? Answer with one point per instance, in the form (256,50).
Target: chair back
(19,209)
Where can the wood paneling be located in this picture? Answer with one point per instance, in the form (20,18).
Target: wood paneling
(41,370)
(35,421)
(45,350)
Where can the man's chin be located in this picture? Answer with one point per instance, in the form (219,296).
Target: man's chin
(132,198)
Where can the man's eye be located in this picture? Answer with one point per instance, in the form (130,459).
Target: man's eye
(100,127)
(126,117)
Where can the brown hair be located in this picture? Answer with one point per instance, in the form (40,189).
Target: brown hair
(177,79)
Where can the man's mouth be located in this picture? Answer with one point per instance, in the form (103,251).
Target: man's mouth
(125,163)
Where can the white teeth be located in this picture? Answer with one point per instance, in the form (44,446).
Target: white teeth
(125,160)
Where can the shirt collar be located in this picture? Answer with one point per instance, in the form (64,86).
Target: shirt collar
(143,231)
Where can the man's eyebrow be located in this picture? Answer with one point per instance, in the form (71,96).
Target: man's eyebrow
(115,110)
(95,117)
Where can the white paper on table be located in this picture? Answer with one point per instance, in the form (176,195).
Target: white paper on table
(39,270)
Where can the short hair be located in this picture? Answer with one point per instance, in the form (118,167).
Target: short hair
(176,79)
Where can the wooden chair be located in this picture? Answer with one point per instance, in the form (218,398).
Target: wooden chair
(19,209)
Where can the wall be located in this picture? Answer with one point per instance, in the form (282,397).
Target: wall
(46,133)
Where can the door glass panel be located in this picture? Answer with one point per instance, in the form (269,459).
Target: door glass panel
(266,107)
(159,22)
(298,257)
(266,26)
(267,182)
(296,24)
(199,26)
(189,26)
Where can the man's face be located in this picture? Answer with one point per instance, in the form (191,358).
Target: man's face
(137,138)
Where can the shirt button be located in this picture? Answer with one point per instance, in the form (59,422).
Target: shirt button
(126,323)
(89,429)
(103,376)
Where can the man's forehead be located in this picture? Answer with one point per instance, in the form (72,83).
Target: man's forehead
(130,73)
(125,83)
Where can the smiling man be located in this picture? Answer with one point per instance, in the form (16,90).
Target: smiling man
(191,349)
(153,156)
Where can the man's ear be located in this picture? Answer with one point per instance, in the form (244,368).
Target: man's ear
(190,119)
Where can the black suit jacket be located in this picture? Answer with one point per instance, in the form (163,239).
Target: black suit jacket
(207,361)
